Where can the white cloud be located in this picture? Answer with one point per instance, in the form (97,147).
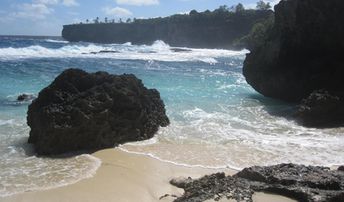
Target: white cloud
(117,11)
(38,9)
(137,2)
(70,3)
(46,2)
(32,11)
(54,2)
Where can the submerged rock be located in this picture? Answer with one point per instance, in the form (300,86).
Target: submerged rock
(25,97)
(103,51)
(301,53)
(82,111)
(177,50)
(303,183)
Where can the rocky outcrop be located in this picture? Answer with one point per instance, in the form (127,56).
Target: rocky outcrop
(303,51)
(302,183)
(82,112)
(321,109)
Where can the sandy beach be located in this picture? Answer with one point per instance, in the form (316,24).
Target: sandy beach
(127,177)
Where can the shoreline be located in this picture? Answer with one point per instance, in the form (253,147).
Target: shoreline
(125,176)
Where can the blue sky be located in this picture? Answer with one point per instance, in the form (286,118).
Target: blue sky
(46,17)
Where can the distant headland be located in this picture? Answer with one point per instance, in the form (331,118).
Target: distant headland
(224,27)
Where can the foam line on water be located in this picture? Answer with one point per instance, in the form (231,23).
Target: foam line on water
(176,163)
(56,41)
(158,51)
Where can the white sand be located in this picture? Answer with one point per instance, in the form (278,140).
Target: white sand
(126,177)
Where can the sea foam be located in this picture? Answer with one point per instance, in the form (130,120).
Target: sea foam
(158,51)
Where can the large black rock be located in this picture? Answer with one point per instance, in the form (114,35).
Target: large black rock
(302,52)
(82,112)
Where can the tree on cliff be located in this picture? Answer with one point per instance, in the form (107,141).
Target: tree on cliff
(193,12)
(261,5)
(222,9)
(96,21)
(239,8)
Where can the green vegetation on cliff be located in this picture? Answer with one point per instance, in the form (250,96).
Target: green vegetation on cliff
(221,28)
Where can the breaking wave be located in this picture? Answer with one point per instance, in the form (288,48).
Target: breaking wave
(158,51)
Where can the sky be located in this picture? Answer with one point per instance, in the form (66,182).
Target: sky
(47,17)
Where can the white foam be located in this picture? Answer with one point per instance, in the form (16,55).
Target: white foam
(159,51)
(151,155)
(237,137)
(38,174)
(7,122)
(56,41)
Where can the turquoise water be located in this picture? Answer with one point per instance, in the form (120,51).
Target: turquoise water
(217,119)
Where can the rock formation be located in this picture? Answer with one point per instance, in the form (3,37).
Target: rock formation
(82,112)
(302,53)
(321,109)
(302,183)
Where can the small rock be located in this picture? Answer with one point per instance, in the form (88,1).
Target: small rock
(180,182)
(321,109)
(25,97)
(341,168)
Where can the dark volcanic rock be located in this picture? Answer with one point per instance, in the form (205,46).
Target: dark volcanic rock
(177,50)
(103,51)
(341,168)
(303,51)
(82,111)
(321,109)
(303,183)
(25,97)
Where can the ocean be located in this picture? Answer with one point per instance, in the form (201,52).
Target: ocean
(217,119)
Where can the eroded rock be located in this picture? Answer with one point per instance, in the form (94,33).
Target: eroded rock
(321,109)
(302,183)
(81,111)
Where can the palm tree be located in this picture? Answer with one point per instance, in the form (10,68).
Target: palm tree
(96,21)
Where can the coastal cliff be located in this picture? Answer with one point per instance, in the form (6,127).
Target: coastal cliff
(303,51)
(217,29)
(301,57)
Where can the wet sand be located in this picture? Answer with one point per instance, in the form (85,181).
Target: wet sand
(126,177)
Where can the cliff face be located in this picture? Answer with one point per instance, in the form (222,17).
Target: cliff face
(301,58)
(200,30)
(303,51)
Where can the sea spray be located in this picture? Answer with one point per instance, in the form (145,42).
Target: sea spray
(159,51)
